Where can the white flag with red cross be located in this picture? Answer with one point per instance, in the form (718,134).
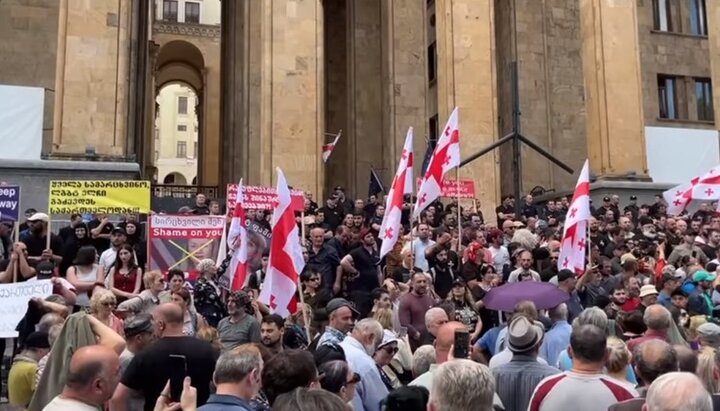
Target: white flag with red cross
(445,157)
(401,185)
(237,241)
(703,188)
(286,259)
(328,148)
(573,247)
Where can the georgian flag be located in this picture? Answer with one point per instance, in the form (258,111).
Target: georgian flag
(286,260)
(237,241)
(705,187)
(401,185)
(573,247)
(328,148)
(445,157)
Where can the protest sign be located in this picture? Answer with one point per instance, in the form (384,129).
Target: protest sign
(449,188)
(14,303)
(9,203)
(180,241)
(107,197)
(263,198)
(258,242)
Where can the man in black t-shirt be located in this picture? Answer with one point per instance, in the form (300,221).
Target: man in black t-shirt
(68,231)
(100,230)
(150,369)
(36,241)
(506,210)
(363,264)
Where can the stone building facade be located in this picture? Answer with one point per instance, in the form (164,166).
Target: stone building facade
(276,76)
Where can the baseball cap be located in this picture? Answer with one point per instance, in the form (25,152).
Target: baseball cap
(710,334)
(138,324)
(648,290)
(606,198)
(563,275)
(39,217)
(338,303)
(633,198)
(703,276)
(45,269)
(118,230)
(388,338)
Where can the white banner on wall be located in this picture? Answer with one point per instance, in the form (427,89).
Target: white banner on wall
(676,155)
(21,122)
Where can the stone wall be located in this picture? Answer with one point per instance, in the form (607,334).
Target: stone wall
(28,46)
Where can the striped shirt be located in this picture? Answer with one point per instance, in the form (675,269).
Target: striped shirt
(516,380)
(571,391)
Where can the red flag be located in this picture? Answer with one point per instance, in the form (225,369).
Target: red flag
(328,148)
(445,157)
(401,185)
(286,259)
(573,246)
(237,241)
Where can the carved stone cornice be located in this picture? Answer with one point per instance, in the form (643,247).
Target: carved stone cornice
(187,29)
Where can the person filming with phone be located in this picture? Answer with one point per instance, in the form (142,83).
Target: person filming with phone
(171,358)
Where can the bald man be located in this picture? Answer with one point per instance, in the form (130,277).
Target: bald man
(443,345)
(149,370)
(93,374)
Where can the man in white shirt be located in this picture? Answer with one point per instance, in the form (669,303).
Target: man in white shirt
(118,237)
(420,245)
(359,348)
(500,254)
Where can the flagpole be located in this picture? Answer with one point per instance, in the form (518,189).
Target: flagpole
(459,214)
(16,239)
(302,308)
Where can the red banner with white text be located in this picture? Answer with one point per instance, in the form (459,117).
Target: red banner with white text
(262,198)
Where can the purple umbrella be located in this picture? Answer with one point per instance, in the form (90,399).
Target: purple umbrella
(505,297)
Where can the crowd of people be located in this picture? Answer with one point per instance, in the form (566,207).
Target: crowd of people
(637,330)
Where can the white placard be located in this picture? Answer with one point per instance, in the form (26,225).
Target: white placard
(14,303)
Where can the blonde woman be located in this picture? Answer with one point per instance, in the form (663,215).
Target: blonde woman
(149,298)
(617,361)
(102,304)
(708,370)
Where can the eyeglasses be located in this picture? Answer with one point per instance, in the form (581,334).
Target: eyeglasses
(354,380)
(314,279)
(390,350)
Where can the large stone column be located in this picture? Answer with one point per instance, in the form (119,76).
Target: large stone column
(365,134)
(92,79)
(466,78)
(613,87)
(713,20)
(404,79)
(273,82)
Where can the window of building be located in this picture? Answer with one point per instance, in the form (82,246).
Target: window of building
(182,105)
(157,155)
(170,8)
(432,61)
(196,129)
(195,149)
(433,130)
(157,134)
(667,97)
(181,127)
(704,98)
(181,149)
(192,12)
(661,15)
(698,17)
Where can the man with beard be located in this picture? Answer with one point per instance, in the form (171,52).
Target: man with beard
(505,211)
(442,273)
(597,237)
(363,265)
(340,240)
(332,212)
(699,301)
(271,333)
(711,245)
(413,306)
(618,298)
(420,245)
(525,272)
(36,242)
(239,327)
(100,231)
(108,256)
(359,348)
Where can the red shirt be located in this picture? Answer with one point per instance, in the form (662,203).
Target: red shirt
(649,335)
(631,304)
